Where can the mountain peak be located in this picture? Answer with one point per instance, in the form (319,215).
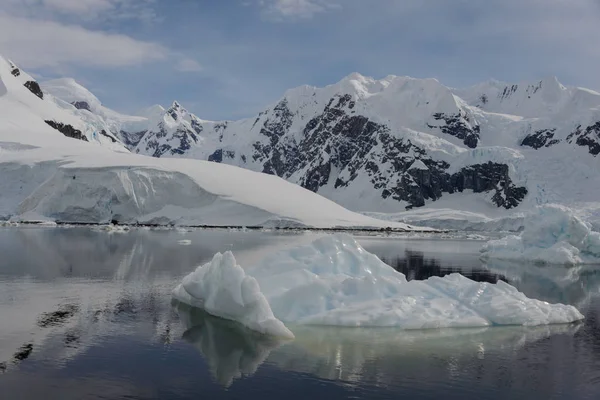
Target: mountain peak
(551,83)
(355,76)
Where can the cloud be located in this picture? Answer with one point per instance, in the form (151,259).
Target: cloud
(82,10)
(286,9)
(78,7)
(48,44)
(188,65)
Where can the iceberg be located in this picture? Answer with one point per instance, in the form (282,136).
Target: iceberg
(333,281)
(553,234)
(222,288)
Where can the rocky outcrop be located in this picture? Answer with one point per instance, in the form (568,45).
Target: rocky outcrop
(459,126)
(541,138)
(177,142)
(588,137)
(81,105)
(34,88)
(109,136)
(67,130)
(131,139)
(354,146)
(490,177)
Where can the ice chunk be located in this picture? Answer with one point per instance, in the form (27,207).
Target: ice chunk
(334,281)
(223,289)
(553,234)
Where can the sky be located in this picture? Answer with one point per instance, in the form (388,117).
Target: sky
(228,59)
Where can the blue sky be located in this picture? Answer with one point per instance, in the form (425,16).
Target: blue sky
(231,58)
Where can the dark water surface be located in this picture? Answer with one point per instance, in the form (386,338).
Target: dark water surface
(88,315)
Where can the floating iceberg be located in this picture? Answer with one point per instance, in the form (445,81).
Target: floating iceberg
(553,234)
(223,289)
(334,281)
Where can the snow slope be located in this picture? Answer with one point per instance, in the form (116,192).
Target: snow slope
(47,175)
(496,149)
(71,96)
(334,281)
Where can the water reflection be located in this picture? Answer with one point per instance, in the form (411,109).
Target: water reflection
(93,310)
(555,284)
(416,266)
(230,350)
(355,354)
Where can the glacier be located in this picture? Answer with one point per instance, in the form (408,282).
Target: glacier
(553,234)
(333,281)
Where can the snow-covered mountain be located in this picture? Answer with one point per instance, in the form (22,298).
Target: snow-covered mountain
(57,165)
(388,145)
(399,142)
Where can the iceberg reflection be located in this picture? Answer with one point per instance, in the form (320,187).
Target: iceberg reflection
(383,355)
(230,349)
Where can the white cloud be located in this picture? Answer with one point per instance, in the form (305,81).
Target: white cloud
(78,7)
(81,10)
(285,9)
(188,65)
(37,44)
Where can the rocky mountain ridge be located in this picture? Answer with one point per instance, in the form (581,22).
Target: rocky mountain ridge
(385,145)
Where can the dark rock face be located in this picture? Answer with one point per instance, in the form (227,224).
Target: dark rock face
(15,72)
(353,145)
(508,91)
(459,126)
(177,143)
(81,105)
(217,156)
(67,130)
(541,138)
(589,137)
(34,88)
(416,185)
(490,177)
(111,137)
(131,139)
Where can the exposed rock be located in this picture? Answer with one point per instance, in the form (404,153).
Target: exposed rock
(15,72)
(67,130)
(458,126)
(490,177)
(355,145)
(217,156)
(131,139)
(81,105)
(177,142)
(541,138)
(589,137)
(34,88)
(111,137)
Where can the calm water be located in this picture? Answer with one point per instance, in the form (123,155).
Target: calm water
(87,314)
